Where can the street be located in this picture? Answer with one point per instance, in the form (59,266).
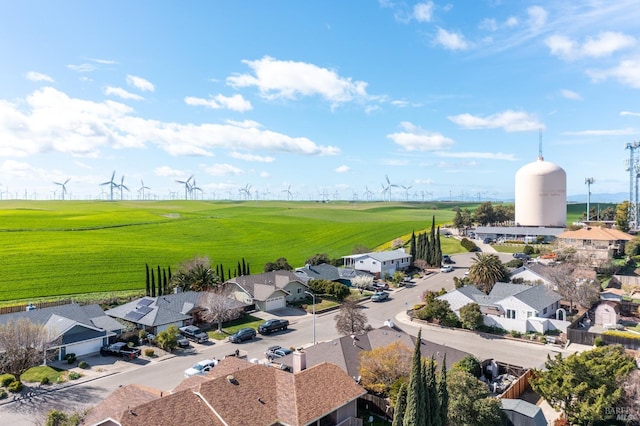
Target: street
(168,373)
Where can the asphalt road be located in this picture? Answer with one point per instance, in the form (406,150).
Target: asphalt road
(168,373)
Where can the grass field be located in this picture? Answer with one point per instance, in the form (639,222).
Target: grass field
(55,248)
(59,248)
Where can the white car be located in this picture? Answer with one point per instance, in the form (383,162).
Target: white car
(202,367)
(446,268)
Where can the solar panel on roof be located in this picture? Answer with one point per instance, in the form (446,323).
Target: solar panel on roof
(144,310)
(133,316)
(145,302)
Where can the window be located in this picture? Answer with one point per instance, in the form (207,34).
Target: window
(511,314)
(299,290)
(544,311)
(529,314)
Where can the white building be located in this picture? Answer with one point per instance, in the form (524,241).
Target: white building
(381,264)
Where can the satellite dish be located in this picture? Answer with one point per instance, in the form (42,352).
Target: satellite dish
(370,419)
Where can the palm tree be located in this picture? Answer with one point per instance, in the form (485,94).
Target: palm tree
(196,275)
(487,269)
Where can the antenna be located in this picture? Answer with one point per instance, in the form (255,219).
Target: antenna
(540,157)
(588,182)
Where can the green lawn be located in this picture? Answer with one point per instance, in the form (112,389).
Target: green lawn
(36,374)
(228,328)
(57,248)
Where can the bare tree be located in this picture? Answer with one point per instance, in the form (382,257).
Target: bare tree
(561,276)
(588,293)
(219,307)
(351,319)
(24,344)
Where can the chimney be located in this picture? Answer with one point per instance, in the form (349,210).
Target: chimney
(30,307)
(299,361)
(177,290)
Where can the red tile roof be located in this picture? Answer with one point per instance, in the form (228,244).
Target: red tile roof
(596,234)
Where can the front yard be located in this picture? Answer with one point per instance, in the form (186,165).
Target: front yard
(228,328)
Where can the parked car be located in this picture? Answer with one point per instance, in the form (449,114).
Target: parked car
(446,268)
(272,325)
(381,285)
(120,349)
(446,259)
(521,256)
(379,296)
(201,367)
(488,241)
(183,342)
(192,332)
(276,352)
(242,335)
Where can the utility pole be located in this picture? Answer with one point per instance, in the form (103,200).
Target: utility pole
(588,182)
(632,167)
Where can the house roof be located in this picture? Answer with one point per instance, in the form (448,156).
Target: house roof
(381,256)
(263,286)
(519,230)
(236,392)
(62,318)
(161,310)
(342,353)
(596,233)
(536,296)
(118,402)
(525,409)
(323,271)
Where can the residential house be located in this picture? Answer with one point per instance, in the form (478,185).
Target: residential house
(345,351)
(596,244)
(73,328)
(526,234)
(381,264)
(239,393)
(268,291)
(517,307)
(156,314)
(328,272)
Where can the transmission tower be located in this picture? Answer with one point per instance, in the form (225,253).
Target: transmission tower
(633,167)
(589,182)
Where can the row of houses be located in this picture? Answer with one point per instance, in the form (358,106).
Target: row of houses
(85,329)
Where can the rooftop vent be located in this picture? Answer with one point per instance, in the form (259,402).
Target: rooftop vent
(231,379)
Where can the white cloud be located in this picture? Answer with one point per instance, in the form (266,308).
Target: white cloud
(394,162)
(611,132)
(342,169)
(166,171)
(627,72)
(537,17)
(15,168)
(234,103)
(413,138)
(568,94)
(289,79)
(86,67)
(223,170)
(488,25)
(423,12)
(121,93)
(104,61)
(511,22)
(633,114)
(36,76)
(482,155)
(509,121)
(140,83)
(49,120)
(450,40)
(252,157)
(605,44)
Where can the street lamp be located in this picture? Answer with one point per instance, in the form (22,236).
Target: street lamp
(313,296)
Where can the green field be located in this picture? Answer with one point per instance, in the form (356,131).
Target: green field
(55,248)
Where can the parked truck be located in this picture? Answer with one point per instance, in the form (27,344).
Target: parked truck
(120,349)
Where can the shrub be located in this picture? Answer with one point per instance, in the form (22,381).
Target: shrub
(69,355)
(74,376)
(598,341)
(83,364)
(44,381)
(516,334)
(7,379)
(149,352)
(71,360)
(14,386)
(543,339)
(468,244)
(3,394)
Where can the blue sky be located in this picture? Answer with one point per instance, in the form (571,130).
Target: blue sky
(315,99)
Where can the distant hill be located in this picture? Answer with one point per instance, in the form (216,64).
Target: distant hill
(617,197)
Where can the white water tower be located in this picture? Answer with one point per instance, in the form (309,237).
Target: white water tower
(541,195)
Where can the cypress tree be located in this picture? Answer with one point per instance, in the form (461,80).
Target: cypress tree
(412,245)
(169,273)
(443,393)
(159,282)
(165,286)
(248,269)
(222,273)
(401,405)
(432,243)
(148,290)
(432,390)
(414,414)
(229,273)
(438,248)
(244,267)
(428,414)
(239,270)
(153,285)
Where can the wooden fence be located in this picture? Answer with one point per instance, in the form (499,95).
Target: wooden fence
(518,387)
(37,305)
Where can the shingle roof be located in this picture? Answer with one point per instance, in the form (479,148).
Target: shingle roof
(381,256)
(256,395)
(536,296)
(596,233)
(319,272)
(263,286)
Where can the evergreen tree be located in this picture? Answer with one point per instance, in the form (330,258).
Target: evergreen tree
(244,267)
(401,405)
(428,414)
(165,285)
(438,248)
(239,270)
(414,414)
(248,269)
(432,391)
(159,282)
(153,285)
(412,245)
(443,393)
(148,289)
(169,273)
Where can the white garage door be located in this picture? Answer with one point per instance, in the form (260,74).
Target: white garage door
(164,327)
(84,348)
(275,303)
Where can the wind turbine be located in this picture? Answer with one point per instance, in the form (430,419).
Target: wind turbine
(187,186)
(367,193)
(288,191)
(142,188)
(121,187)
(111,184)
(195,188)
(64,187)
(406,191)
(387,188)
